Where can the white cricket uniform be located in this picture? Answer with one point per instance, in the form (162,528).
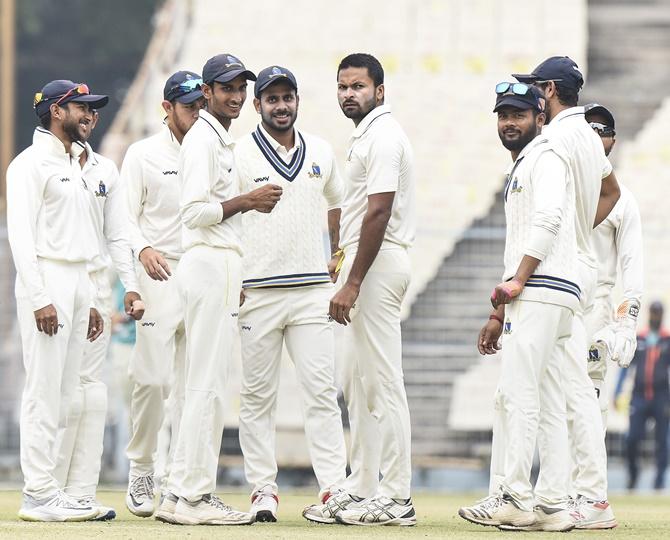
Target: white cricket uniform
(150,177)
(539,210)
(78,468)
(209,278)
(52,238)
(571,135)
(287,293)
(379,160)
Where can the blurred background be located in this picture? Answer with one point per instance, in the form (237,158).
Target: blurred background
(442,59)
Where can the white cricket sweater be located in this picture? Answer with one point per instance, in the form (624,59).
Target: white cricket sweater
(48,211)
(150,179)
(540,214)
(285,248)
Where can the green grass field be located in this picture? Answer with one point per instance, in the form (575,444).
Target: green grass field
(643,517)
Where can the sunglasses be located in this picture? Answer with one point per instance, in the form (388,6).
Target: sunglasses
(81,89)
(520,89)
(602,129)
(184,88)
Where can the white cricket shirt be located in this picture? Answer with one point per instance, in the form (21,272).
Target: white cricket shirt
(618,242)
(540,222)
(150,179)
(379,160)
(110,216)
(285,247)
(574,139)
(48,211)
(207,178)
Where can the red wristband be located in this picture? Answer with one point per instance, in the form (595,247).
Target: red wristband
(494,317)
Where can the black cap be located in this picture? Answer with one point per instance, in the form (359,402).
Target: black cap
(271,75)
(64,91)
(533,99)
(183,86)
(557,68)
(600,110)
(224,68)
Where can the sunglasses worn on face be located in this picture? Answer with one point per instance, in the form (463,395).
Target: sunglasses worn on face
(602,129)
(184,88)
(520,89)
(81,89)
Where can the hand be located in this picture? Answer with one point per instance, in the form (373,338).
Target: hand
(342,302)
(264,198)
(333,269)
(133,305)
(154,264)
(625,342)
(46,319)
(242,297)
(489,337)
(505,292)
(95,325)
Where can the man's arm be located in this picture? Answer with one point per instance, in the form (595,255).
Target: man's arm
(628,241)
(609,195)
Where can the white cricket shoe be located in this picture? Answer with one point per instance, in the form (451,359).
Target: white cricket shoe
(379,510)
(105,513)
(264,505)
(59,507)
(590,514)
(167,508)
(547,518)
(140,495)
(209,510)
(331,505)
(495,510)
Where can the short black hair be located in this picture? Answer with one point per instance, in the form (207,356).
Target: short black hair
(567,95)
(45,120)
(364,60)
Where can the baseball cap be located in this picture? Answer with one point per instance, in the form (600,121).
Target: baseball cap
(62,91)
(601,110)
(271,75)
(224,68)
(556,68)
(183,86)
(524,98)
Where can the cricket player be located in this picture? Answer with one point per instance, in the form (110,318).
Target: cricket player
(597,193)
(287,289)
(52,237)
(80,454)
(209,279)
(149,175)
(618,243)
(377,228)
(540,286)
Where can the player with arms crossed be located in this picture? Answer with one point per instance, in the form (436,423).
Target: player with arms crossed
(149,174)
(287,288)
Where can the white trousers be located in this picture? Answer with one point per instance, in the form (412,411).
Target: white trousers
(372,380)
(209,280)
(80,453)
(298,317)
(533,346)
(52,369)
(157,361)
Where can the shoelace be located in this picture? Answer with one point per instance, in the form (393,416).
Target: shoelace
(63,500)
(142,486)
(491,502)
(214,501)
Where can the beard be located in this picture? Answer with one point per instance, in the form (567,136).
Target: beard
(360,111)
(518,144)
(269,120)
(74,131)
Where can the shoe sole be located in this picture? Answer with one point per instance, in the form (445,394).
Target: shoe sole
(181,519)
(320,521)
(265,516)
(26,516)
(598,525)
(537,528)
(397,522)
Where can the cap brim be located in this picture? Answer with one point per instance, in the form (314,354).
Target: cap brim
(525,77)
(190,97)
(230,75)
(259,88)
(94,101)
(602,111)
(513,101)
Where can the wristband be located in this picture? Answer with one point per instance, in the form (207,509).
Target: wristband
(494,317)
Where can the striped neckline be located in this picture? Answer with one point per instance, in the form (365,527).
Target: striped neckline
(287,170)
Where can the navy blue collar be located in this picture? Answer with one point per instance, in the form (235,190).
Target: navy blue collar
(290,170)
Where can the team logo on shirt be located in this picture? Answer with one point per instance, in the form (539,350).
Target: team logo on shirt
(102,190)
(65,179)
(165,173)
(594,354)
(507,328)
(515,186)
(316,171)
(262,179)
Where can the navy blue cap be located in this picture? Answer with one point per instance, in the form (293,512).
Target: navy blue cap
(271,75)
(556,68)
(601,110)
(57,90)
(183,86)
(224,68)
(533,99)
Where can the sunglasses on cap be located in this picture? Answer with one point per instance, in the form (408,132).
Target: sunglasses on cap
(184,88)
(520,89)
(602,129)
(81,89)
